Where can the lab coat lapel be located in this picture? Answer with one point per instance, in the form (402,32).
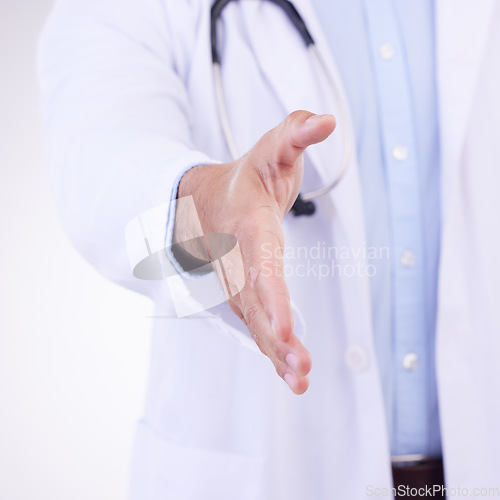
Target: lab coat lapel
(349,220)
(299,83)
(462,30)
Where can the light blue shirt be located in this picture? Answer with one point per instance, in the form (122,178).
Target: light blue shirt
(385,53)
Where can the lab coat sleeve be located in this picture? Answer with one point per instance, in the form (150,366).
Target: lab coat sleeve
(116,120)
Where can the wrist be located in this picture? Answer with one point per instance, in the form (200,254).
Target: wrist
(198,216)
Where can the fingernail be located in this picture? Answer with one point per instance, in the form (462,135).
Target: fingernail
(313,119)
(289,380)
(292,361)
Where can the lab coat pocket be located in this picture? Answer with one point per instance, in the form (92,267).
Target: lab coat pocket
(164,470)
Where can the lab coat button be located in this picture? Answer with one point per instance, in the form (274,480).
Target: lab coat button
(408,259)
(410,362)
(400,153)
(357,358)
(386,51)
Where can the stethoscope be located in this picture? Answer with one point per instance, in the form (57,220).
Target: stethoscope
(304,205)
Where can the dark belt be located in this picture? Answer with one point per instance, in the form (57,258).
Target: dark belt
(415,476)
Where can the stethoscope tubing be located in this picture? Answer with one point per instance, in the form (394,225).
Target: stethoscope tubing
(301,27)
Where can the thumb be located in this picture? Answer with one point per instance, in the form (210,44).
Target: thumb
(285,143)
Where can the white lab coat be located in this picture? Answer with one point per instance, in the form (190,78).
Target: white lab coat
(128,102)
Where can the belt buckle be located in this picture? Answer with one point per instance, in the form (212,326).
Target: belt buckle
(409,460)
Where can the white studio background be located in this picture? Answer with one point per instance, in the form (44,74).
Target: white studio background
(74,348)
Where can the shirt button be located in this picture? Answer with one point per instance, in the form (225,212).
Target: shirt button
(400,153)
(408,259)
(386,51)
(357,358)
(410,362)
